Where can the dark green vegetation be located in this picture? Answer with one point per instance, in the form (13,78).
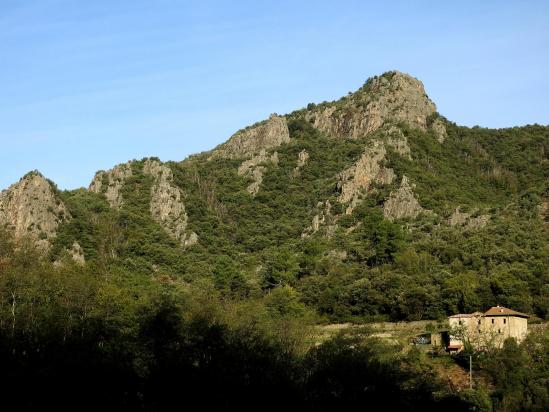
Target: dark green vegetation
(74,338)
(148,324)
(402,270)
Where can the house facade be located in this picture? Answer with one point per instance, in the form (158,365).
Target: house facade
(488,329)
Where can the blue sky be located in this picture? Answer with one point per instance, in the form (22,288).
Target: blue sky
(89,84)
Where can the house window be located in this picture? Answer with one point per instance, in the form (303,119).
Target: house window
(459,322)
(504,321)
(478,321)
(499,330)
(492,320)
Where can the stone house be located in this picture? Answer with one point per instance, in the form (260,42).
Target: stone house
(488,329)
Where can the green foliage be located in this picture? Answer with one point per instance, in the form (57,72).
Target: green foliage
(281,268)
(346,371)
(368,268)
(82,335)
(228,279)
(520,374)
(284,301)
(377,240)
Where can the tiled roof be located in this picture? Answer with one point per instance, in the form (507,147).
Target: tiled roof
(501,311)
(493,311)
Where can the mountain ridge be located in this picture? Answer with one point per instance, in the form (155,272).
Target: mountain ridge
(340,201)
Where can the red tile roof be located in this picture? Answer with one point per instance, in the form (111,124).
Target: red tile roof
(501,311)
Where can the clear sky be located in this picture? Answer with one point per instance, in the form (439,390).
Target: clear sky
(85,84)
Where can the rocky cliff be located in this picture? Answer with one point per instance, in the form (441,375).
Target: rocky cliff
(466,220)
(402,203)
(375,120)
(32,207)
(110,183)
(166,199)
(392,98)
(366,171)
(255,168)
(265,135)
(354,204)
(167,206)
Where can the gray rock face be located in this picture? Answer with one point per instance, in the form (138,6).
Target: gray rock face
(252,140)
(110,183)
(255,168)
(31,207)
(366,171)
(391,98)
(190,240)
(402,203)
(302,159)
(440,130)
(166,206)
(77,253)
(324,217)
(398,142)
(467,221)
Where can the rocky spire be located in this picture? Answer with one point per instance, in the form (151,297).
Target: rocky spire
(402,203)
(111,182)
(32,207)
(166,205)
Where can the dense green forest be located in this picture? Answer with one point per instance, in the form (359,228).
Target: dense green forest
(397,270)
(97,337)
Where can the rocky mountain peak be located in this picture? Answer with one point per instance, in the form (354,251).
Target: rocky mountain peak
(387,100)
(32,207)
(391,98)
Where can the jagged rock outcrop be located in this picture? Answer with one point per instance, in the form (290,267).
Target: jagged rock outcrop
(77,253)
(439,129)
(391,98)
(398,142)
(265,135)
(255,168)
(302,159)
(191,239)
(110,183)
(323,218)
(359,177)
(466,220)
(166,206)
(31,207)
(402,203)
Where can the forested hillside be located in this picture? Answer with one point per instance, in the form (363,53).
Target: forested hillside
(370,208)
(401,222)
(387,216)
